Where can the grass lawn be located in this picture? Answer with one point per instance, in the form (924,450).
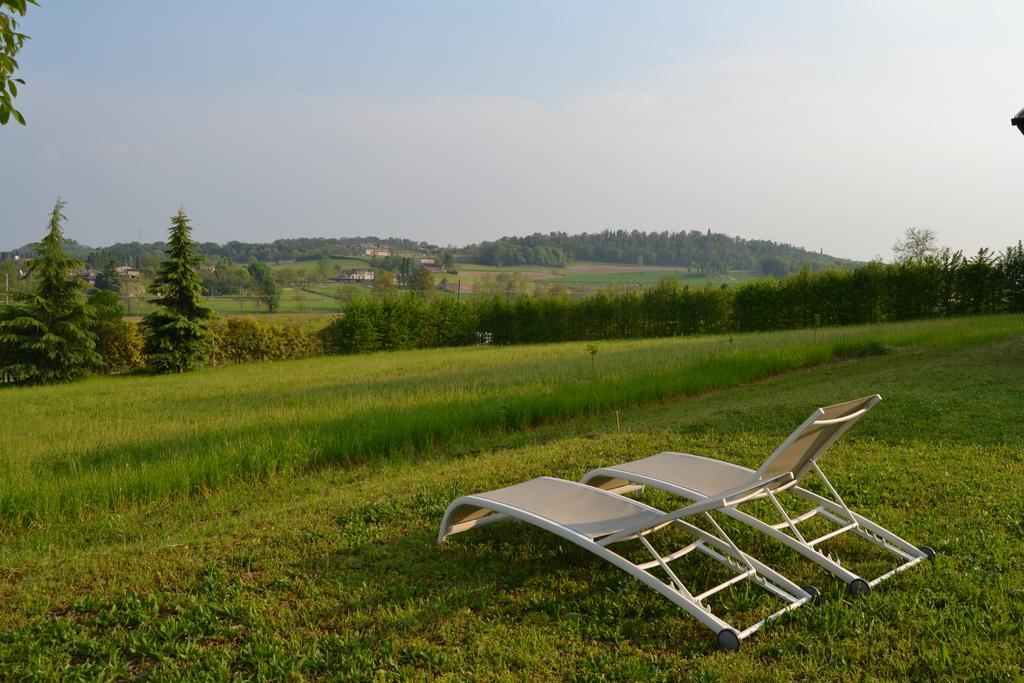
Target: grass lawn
(315,299)
(313,265)
(336,572)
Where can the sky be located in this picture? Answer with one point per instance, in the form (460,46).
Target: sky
(831,126)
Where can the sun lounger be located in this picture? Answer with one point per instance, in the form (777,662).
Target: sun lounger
(701,480)
(595,520)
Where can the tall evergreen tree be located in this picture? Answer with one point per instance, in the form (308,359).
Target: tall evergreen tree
(178,329)
(49,336)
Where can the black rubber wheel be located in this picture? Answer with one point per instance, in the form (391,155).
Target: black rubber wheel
(728,640)
(928,551)
(813,590)
(859,587)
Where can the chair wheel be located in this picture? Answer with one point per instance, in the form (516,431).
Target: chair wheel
(813,590)
(928,551)
(728,640)
(859,587)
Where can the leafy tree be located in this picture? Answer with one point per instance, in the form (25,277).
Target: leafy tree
(448,260)
(383,282)
(773,265)
(11,42)
(109,279)
(178,329)
(226,278)
(917,245)
(422,281)
(49,337)
(511,284)
(324,266)
(264,279)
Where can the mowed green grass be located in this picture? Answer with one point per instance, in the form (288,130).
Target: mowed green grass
(337,573)
(112,443)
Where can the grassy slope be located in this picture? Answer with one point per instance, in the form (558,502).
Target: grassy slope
(338,572)
(111,442)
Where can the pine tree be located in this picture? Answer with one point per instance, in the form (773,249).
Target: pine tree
(178,329)
(49,337)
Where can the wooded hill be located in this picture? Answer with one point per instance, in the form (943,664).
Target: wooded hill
(704,251)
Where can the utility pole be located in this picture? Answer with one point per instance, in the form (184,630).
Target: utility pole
(7,288)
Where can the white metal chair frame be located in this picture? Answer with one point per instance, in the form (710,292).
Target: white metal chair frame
(719,547)
(834,510)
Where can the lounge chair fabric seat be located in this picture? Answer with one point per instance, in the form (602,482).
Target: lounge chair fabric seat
(584,509)
(700,475)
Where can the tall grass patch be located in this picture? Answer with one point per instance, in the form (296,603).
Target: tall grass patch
(111,443)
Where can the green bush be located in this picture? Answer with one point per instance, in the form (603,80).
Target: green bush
(118,342)
(243,340)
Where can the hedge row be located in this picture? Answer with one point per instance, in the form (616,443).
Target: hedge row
(947,285)
(242,340)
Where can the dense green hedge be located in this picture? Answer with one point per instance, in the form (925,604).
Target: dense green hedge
(946,285)
(242,340)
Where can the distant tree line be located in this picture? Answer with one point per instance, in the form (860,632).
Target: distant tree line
(148,255)
(947,284)
(706,252)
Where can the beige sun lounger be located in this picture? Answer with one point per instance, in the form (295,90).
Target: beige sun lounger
(595,519)
(702,479)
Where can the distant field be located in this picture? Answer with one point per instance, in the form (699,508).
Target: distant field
(595,276)
(314,265)
(336,574)
(582,278)
(322,299)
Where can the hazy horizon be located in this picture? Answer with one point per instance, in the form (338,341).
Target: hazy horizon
(831,127)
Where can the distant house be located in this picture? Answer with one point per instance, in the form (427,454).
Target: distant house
(88,276)
(128,272)
(355,275)
(428,262)
(379,252)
